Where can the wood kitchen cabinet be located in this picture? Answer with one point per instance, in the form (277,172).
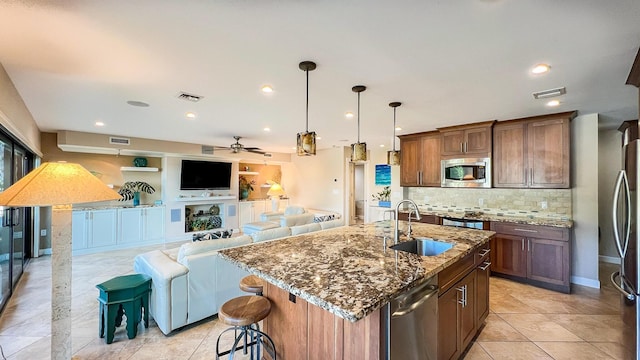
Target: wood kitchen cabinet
(539,255)
(472,140)
(426,219)
(463,302)
(532,152)
(420,159)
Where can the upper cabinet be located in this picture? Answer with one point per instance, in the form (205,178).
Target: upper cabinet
(420,159)
(473,140)
(532,152)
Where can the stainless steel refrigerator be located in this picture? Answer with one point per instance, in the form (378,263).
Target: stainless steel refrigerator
(625,227)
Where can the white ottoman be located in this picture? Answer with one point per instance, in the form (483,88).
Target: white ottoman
(250,228)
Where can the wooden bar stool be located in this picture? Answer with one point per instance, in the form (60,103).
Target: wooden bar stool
(251,284)
(243,314)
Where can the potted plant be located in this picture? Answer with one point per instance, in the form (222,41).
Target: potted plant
(383,197)
(131,190)
(246,187)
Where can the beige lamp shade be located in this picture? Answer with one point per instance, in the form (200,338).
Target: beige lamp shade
(275,190)
(58,183)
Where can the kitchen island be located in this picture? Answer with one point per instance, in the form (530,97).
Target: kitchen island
(347,273)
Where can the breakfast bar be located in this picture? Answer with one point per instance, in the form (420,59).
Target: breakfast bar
(329,289)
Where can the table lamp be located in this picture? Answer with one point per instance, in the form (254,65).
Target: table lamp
(275,191)
(59,185)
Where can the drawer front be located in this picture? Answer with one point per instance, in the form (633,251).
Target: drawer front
(531,231)
(455,272)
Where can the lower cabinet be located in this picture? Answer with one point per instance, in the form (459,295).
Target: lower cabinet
(249,211)
(140,225)
(426,219)
(463,303)
(92,229)
(539,255)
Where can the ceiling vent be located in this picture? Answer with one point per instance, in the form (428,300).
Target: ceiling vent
(268,155)
(207,150)
(189,97)
(550,93)
(119,140)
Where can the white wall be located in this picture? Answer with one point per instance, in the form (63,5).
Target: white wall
(584,157)
(15,116)
(609,163)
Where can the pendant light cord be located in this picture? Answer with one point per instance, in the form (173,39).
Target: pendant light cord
(307,71)
(358,118)
(393,139)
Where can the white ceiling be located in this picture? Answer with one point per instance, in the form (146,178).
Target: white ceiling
(449,62)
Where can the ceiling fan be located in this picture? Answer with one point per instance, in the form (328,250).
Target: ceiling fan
(237,147)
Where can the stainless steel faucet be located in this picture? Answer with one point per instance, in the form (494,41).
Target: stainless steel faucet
(396,237)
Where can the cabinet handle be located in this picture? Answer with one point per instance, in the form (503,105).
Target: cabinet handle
(484,252)
(526,230)
(418,177)
(463,300)
(522,241)
(486,266)
(530,176)
(529,245)
(462,147)
(466,146)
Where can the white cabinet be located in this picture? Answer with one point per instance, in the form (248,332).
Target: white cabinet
(250,211)
(93,228)
(140,225)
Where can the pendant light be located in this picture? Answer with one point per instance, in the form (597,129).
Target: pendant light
(306,141)
(358,150)
(393,156)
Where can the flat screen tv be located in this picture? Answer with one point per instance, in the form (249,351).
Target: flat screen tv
(205,175)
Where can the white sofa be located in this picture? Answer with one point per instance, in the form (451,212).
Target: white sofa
(190,283)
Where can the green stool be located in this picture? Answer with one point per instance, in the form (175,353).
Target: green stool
(128,294)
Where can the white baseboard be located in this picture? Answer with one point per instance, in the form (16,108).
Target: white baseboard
(585,282)
(609,259)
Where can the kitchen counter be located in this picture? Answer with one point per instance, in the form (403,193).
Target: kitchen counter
(348,271)
(498,215)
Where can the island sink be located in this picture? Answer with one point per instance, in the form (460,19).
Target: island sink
(423,246)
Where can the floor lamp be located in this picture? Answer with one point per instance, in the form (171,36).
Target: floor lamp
(275,191)
(58,185)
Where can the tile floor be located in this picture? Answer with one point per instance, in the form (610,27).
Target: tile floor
(525,322)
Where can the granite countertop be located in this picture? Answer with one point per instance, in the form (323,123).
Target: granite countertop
(498,215)
(107,207)
(347,271)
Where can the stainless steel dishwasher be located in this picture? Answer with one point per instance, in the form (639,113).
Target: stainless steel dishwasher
(413,323)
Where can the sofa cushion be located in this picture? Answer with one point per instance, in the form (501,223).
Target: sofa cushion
(210,245)
(271,234)
(303,229)
(296,220)
(294,210)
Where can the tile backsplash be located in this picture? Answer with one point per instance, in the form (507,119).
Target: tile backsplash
(524,202)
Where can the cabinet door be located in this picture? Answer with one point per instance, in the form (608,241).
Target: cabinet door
(430,152)
(153,224)
(262,206)
(508,255)
(245,213)
(410,161)
(478,141)
(452,142)
(468,318)
(483,273)
(548,155)
(130,226)
(548,261)
(448,330)
(509,156)
(79,230)
(103,228)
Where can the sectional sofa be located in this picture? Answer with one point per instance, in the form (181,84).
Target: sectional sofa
(191,282)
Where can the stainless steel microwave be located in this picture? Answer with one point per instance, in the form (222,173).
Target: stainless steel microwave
(467,172)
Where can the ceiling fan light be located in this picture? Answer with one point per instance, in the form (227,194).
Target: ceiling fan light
(306,145)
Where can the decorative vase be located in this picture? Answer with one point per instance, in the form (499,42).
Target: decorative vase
(244,194)
(136,198)
(140,162)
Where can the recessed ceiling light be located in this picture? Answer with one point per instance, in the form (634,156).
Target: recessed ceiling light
(553,103)
(266,89)
(381,145)
(294,148)
(540,69)
(348,115)
(99,123)
(267,129)
(318,137)
(190,115)
(137,103)
(398,128)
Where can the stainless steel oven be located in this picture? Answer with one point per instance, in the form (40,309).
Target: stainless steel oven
(467,172)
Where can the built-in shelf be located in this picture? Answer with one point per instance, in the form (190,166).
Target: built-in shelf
(205,198)
(138,168)
(248,173)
